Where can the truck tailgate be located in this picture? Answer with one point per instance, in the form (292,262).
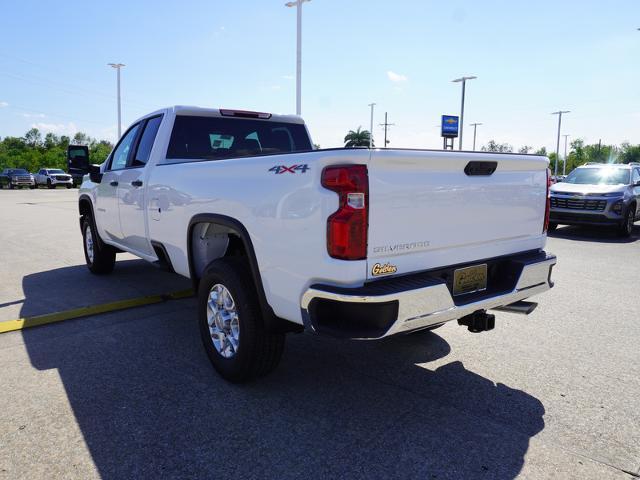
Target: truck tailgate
(425,212)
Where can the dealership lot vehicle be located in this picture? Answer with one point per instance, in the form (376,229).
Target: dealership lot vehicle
(279,237)
(16,177)
(600,195)
(52,178)
(128,394)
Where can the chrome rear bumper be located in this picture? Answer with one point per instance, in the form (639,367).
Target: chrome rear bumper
(418,306)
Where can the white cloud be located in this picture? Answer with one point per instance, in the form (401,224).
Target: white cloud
(68,129)
(33,115)
(396,77)
(3,104)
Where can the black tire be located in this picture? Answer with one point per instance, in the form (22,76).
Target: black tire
(258,351)
(69,186)
(32,187)
(552,227)
(10,186)
(104,256)
(49,184)
(626,227)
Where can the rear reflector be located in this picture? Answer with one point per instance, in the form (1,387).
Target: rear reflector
(347,226)
(244,114)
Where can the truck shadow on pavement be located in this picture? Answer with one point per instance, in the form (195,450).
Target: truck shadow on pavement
(149,405)
(594,234)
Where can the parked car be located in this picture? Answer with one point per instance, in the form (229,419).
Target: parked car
(278,237)
(53,177)
(598,194)
(16,177)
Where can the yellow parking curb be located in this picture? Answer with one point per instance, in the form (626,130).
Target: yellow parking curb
(27,322)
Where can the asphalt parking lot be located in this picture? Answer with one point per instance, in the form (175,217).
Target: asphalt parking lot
(131,394)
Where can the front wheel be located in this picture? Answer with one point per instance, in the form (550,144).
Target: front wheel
(231,323)
(100,257)
(50,185)
(552,227)
(626,227)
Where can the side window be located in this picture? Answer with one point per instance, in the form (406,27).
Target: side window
(635,178)
(121,153)
(146,142)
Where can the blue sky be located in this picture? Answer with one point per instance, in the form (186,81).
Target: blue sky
(531,58)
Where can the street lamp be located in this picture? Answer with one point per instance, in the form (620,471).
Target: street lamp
(118,66)
(559,113)
(464,82)
(298,5)
(474,125)
(371,128)
(564,163)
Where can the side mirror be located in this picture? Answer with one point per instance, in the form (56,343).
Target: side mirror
(95,174)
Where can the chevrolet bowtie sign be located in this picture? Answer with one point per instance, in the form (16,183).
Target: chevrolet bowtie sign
(449,126)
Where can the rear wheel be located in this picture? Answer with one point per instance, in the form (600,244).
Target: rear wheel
(626,227)
(100,257)
(231,323)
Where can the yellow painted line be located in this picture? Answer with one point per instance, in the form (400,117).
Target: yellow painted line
(27,322)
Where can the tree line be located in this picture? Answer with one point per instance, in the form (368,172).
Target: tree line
(34,151)
(579,153)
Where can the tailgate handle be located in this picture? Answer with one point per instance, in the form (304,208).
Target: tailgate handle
(480,168)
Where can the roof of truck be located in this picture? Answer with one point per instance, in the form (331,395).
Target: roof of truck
(220,112)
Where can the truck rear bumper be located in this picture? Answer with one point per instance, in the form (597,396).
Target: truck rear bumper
(413,302)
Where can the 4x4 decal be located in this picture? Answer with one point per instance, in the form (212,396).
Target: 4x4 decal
(280,169)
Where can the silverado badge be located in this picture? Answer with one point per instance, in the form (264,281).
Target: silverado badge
(385,269)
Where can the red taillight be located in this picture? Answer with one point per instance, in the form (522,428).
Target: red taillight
(347,227)
(548,205)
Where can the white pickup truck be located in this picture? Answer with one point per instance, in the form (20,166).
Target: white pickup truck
(278,237)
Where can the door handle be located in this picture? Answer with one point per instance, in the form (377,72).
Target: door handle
(114,183)
(137,183)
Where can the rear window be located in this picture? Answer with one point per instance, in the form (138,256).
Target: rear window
(212,138)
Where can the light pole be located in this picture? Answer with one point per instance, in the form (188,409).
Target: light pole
(298,5)
(464,83)
(474,125)
(559,113)
(118,66)
(371,128)
(564,163)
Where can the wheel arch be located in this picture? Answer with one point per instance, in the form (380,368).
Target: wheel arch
(236,229)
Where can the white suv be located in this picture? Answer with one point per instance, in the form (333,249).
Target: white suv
(52,177)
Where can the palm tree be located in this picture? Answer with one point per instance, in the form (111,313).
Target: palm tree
(359,138)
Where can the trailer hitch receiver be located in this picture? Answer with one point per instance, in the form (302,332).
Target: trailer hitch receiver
(478,321)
